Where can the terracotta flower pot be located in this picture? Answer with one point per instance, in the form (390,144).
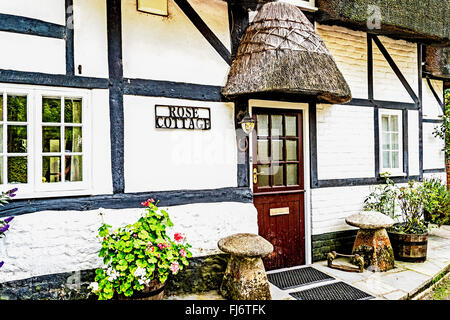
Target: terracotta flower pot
(153,291)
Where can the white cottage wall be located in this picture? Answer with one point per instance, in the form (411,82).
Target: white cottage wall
(32,53)
(162,159)
(90,38)
(50,242)
(46,10)
(172,48)
(345,140)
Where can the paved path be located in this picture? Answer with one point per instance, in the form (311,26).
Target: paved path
(404,281)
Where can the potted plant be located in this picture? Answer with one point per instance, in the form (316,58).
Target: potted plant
(382,198)
(409,238)
(139,257)
(436,201)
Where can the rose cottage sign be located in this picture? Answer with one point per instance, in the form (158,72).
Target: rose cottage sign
(177,117)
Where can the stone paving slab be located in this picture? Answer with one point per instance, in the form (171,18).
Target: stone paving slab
(405,280)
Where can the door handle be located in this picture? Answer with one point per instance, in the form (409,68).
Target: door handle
(255,175)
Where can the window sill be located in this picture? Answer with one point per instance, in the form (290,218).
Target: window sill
(393,174)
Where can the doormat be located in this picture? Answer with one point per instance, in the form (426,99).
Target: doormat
(333,291)
(297,277)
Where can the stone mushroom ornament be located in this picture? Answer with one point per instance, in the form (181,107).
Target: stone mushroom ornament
(245,277)
(372,241)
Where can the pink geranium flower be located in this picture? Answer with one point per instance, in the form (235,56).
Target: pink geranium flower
(183,253)
(174,267)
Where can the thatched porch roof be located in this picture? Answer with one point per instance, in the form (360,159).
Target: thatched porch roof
(438,61)
(282,53)
(418,20)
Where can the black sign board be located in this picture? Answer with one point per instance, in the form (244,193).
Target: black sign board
(177,117)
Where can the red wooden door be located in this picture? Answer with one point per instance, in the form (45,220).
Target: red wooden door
(278,184)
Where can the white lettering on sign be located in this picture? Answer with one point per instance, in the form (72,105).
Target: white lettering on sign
(176,117)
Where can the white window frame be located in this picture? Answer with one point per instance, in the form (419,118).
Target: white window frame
(308,5)
(394,172)
(35,188)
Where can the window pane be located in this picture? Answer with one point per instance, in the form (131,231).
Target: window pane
(386,159)
(385,123)
(17,108)
(74,168)
(17,139)
(394,123)
(72,111)
(292,174)
(395,159)
(277,150)
(263,150)
(386,141)
(263,176)
(277,126)
(17,170)
(51,139)
(291,150)
(51,169)
(291,126)
(73,136)
(277,172)
(394,137)
(51,110)
(263,125)
(1,106)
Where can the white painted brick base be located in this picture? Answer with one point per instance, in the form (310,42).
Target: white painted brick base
(50,242)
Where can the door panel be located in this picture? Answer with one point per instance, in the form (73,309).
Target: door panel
(278,184)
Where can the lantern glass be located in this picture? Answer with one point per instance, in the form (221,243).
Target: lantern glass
(248,124)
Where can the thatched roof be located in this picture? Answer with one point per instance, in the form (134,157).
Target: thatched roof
(281,52)
(438,61)
(418,20)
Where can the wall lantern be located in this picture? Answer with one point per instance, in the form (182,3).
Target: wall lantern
(247,122)
(158,7)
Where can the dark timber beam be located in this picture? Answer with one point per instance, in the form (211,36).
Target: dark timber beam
(70,54)
(124,201)
(114,26)
(29,26)
(170,89)
(204,30)
(54,80)
(420,105)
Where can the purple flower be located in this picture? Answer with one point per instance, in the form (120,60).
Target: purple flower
(12,192)
(2,263)
(4,229)
(8,220)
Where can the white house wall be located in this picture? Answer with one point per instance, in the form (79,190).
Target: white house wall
(413,142)
(161,159)
(387,86)
(50,242)
(32,53)
(90,38)
(349,50)
(46,10)
(345,140)
(431,108)
(172,48)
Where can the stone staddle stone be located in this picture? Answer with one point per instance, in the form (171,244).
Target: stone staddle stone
(245,277)
(370,220)
(372,241)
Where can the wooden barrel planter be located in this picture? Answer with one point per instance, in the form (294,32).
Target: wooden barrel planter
(409,247)
(154,291)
